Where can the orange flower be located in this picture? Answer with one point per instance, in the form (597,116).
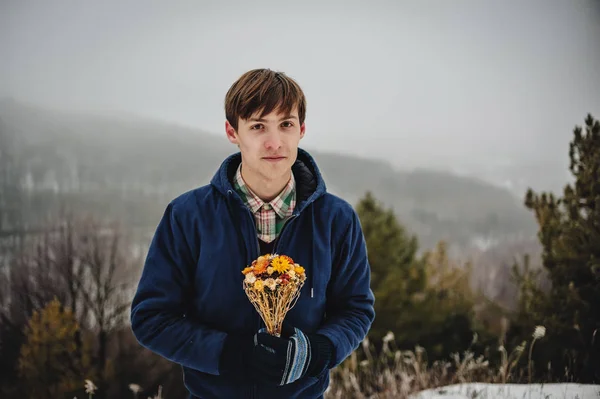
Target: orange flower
(247,270)
(299,270)
(261,266)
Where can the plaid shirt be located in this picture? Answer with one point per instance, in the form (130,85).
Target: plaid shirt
(270,216)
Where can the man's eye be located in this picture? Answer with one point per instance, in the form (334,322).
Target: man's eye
(287,124)
(254,127)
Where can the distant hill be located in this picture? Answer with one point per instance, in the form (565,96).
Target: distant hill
(129,168)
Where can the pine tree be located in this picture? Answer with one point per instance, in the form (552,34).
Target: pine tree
(569,230)
(423,300)
(390,246)
(447,307)
(396,273)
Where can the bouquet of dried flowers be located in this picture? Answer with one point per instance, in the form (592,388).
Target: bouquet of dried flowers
(273,283)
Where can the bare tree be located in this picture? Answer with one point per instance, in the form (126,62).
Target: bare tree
(108,268)
(87,265)
(10,209)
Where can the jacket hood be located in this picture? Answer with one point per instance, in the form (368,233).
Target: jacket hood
(309,182)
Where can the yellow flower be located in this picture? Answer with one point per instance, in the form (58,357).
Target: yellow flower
(270,270)
(290,260)
(280,264)
(247,270)
(298,269)
(259,285)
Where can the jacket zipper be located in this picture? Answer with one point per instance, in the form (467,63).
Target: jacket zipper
(254,391)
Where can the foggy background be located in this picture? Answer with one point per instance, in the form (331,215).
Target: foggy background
(445,111)
(478,87)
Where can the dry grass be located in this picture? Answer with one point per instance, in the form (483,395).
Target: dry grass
(395,373)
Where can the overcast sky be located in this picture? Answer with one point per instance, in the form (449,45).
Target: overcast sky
(381,77)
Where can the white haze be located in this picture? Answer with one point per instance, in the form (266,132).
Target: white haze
(468,86)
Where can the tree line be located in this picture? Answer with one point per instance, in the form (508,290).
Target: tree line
(65,292)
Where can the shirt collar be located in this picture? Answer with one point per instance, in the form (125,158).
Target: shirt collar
(282,204)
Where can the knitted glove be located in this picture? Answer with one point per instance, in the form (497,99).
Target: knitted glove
(283,360)
(236,361)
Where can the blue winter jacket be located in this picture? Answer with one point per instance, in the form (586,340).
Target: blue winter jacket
(190,292)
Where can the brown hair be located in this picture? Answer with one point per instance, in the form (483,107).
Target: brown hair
(266,90)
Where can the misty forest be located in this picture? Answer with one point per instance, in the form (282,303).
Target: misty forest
(472,282)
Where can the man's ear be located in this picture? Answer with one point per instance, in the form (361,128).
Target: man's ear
(302,130)
(231,133)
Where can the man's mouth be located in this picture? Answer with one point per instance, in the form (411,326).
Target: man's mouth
(273,159)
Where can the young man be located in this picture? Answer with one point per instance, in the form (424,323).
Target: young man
(269,197)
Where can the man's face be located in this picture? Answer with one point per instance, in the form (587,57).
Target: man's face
(268,145)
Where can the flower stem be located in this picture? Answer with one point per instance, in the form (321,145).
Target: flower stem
(530,353)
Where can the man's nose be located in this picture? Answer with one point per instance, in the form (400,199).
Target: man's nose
(273,140)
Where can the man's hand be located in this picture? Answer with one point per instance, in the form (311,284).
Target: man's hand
(283,360)
(236,359)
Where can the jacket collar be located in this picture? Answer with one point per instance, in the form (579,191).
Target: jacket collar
(283,204)
(309,182)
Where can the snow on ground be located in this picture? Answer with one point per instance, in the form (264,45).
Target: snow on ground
(511,391)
